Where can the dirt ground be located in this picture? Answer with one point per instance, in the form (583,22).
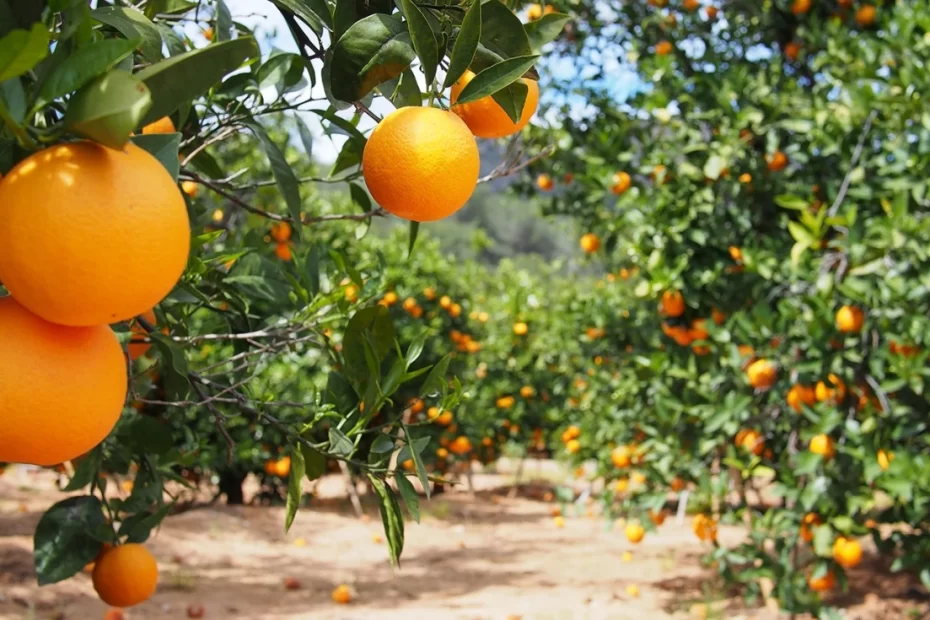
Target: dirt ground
(490,556)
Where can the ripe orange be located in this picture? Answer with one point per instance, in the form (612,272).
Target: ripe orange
(137,348)
(527,391)
(824,392)
(572,432)
(63,387)
(745,178)
(705,527)
(572,446)
(390,298)
(711,12)
(822,445)
(283,252)
(634,532)
(762,374)
(847,552)
(191,188)
(800,395)
(799,7)
(884,459)
(544,182)
(691,5)
(663,48)
(559,522)
(485,118)
(114,614)
(120,249)
(505,402)
(776,161)
(534,12)
(792,51)
(521,328)
(590,243)
(809,521)
(751,441)
(620,183)
(677,484)
(281,232)
(125,575)
(421,164)
(342,594)
(621,485)
(849,319)
(673,303)
(865,15)
(822,584)
(162,125)
(736,253)
(460,445)
(657,517)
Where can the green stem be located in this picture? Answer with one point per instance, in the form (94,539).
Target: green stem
(18,130)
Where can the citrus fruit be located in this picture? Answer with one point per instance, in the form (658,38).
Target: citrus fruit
(849,319)
(865,16)
(663,48)
(809,521)
(792,51)
(421,164)
(847,552)
(342,595)
(63,387)
(822,445)
(162,125)
(125,575)
(673,303)
(520,328)
(800,395)
(777,160)
(822,584)
(799,7)
(544,182)
(590,243)
(572,446)
(634,532)
(762,374)
(485,118)
(620,183)
(884,459)
(111,229)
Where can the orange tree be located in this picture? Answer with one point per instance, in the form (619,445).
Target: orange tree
(762,170)
(157,177)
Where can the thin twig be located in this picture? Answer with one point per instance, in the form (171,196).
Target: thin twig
(510,168)
(844,187)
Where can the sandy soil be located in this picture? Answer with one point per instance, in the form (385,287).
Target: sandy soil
(484,557)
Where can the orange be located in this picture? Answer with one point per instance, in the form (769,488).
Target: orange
(527,391)
(799,7)
(137,348)
(572,432)
(590,243)
(718,316)
(572,446)
(621,456)
(342,595)
(461,445)
(865,15)
(429,293)
(884,459)
(745,178)
(777,161)
(191,188)
(421,164)
(657,517)
(125,575)
(620,183)
(120,248)
(281,232)
(162,125)
(809,521)
(822,445)
(534,12)
(621,485)
(63,387)
(849,319)
(114,614)
(762,374)
(663,48)
(705,527)
(800,395)
(698,330)
(350,292)
(823,392)
(505,402)
(632,590)
(711,12)
(792,51)
(736,253)
(544,182)
(390,298)
(677,484)
(847,552)
(283,252)
(822,584)
(690,5)
(751,441)
(485,118)
(673,303)
(634,532)
(521,328)
(559,522)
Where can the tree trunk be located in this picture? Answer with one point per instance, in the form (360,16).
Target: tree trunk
(231,486)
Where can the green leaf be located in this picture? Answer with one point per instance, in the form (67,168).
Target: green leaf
(174,366)
(382,444)
(414,233)
(823,541)
(83,65)
(344,15)
(403,91)
(86,471)
(714,166)
(349,157)
(133,25)
(314,462)
(63,543)
(283,173)
(313,13)
(374,324)
(306,137)
(149,436)
(339,443)
(466,44)
(164,147)
(788,201)
(391,517)
(502,35)
(311,271)
(295,489)
(21,50)
(800,234)
(545,29)
(496,77)
(14,100)
(423,39)
(436,379)
(138,527)
(512,99)
(108,109)
(185,77)
(373,50)
(411,499)
(416,348)
(419,444)
(222,31)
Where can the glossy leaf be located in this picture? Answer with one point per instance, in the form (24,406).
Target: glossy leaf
(63,543)
(496,77)
(466,44)
(371,51)
(132,24)
(423,39)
